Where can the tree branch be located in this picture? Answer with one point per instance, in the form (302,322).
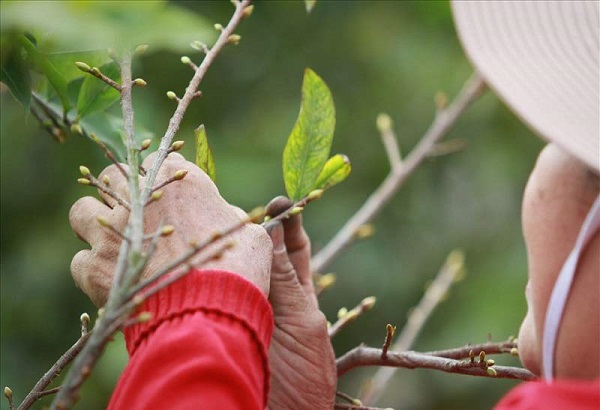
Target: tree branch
(190,94)
(368,356)
(38,390)
(442,123)
(448,274)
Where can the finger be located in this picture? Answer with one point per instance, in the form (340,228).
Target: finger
(83,218)
(297,242)
(117,183)
(92,285)
(287,295)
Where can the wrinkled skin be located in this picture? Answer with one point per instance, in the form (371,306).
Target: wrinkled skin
(303,371)
(302,363)
(558,196)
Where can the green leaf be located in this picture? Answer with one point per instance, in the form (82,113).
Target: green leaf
(95,95)
(204,157)
(116,24)
(41,63)
(309,143)
(108,128)
(336,169)
(310,4)
(15,74)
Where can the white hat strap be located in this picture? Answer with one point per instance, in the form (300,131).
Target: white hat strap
(562,287)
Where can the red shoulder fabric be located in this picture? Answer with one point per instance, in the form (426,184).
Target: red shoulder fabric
(206,347)
(564,395)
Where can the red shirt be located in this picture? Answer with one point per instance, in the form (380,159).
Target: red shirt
(206,347)
(560,395)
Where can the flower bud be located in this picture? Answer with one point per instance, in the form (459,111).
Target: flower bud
(171,95)
(234,39)
(85,171)
(248,11)
(491,372)
(84,181)
(76,128)
(326,281)
(368,302)
(490,362)
(95,70)
(179,175)
(156,195)
(218,27)
(514,351)
(384,122)
(257,214)
(83,66)
(139,82)
(8,392)
(144,317)
(167,230)
(342,312)
(297,210)
(481,356)
(102,221)
(84,319)
(316,194)
(106,180)
(177,145)
(185,60)
(364,231)
(146,144)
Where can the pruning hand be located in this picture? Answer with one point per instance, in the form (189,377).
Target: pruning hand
(193,206)
(303,371)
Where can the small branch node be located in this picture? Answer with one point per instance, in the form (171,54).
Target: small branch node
(197,94)
(105,223)
(9,396)
(176,146)
(172,96)
(188,61)
(139,82)
(390,330)
(234,39)
(145,144)
(85,322)
(200,46)
(346,317)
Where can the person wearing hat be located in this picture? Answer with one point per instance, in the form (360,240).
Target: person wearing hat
(232,336)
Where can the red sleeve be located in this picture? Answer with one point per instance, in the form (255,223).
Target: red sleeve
(564,395)
(206,347)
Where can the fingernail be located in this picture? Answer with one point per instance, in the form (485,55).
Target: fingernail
(269,226)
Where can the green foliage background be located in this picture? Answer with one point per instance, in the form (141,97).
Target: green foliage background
(375,56)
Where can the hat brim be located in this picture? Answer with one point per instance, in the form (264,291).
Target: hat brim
(542,59)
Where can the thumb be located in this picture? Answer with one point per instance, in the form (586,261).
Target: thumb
(287,296)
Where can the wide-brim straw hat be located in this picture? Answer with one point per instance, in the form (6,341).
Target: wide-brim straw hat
(542,59)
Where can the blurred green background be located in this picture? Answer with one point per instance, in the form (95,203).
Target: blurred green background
(377,56)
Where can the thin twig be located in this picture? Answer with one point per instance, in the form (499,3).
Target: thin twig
(109,154)
(353,314)
(53,372)
(458,353)
(345,396)
(389,334)
(419,315)
(190,91)
(95,71)
(380,197)
(369,356)
(108,191)
(48,392)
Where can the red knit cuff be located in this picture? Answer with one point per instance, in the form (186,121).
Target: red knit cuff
(210,291)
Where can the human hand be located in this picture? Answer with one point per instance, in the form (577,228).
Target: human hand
(192,205)
(303,371)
